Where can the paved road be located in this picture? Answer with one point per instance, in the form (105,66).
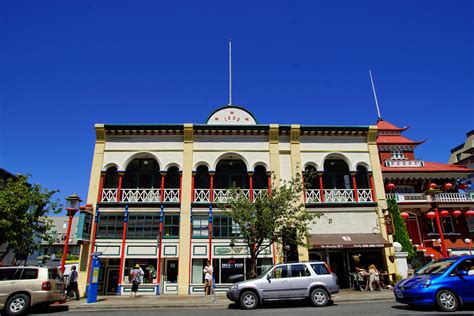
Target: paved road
(372,308)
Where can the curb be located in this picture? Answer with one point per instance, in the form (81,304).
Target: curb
(219,305)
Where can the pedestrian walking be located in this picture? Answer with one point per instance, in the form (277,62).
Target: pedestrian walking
(208,270)
(136,279)
(72,287)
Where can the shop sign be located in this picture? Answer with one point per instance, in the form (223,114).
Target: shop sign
(389,224)
(237,250)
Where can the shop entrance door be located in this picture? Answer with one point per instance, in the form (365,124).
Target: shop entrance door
(337,265)
(112,281)
(170,284)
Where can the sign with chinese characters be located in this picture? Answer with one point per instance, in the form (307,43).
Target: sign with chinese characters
(389,224)
(231,116)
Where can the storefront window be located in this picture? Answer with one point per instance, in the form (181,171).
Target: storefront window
(223,226)
(148,267)
(171,226)
(200,226)
(446,225)
(143,226)
(231,267)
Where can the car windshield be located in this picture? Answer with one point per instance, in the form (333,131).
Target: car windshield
(436,267)
(264,271)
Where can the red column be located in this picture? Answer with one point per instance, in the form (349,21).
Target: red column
(122,250)
(211,187)
(304,189)
(269,183)
(180,185)
(354,184)
(119,189)
(372,187)
(162,191)
(101,186)
(321,186)
(66,243)
(91,250)
(160,238)
(251,186)
(210,233)
(441,235)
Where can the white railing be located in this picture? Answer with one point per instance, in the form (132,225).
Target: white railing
(404,163)
(171,195)
(338,195)
(313,196)
(109,195)
(260,193)
(453,197)
(221,195)
(364,195)
(202,195)
(141,195)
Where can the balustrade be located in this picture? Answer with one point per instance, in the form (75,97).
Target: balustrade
(171,195)
(109,195)
(140,195)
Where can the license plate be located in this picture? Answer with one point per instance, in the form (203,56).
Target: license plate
(398,294)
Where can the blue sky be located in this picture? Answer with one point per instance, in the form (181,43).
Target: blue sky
(66,65)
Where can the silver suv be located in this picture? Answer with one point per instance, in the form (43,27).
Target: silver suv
(291,281)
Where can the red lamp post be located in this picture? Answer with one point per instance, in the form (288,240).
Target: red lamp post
(432,191)
(72,206)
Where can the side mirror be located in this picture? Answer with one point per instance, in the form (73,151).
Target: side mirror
(269,276)
(462,273)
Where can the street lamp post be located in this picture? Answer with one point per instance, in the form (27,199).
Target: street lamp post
(432,191)
(469,242)
(72,206)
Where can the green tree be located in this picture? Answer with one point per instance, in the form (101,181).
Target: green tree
(280,217)
(23,215)
(401,232)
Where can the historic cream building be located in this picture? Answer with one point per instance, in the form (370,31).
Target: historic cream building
(154,191)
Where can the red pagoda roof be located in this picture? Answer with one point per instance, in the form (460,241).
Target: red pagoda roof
(386,126)
(430,167)
(396,139)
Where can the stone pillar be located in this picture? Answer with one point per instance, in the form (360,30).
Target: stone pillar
(401,260)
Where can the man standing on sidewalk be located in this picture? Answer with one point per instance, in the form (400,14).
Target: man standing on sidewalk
(73,284)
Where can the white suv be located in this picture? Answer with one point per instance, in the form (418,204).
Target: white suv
(291,281)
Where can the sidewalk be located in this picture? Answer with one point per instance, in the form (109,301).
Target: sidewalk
(200,301)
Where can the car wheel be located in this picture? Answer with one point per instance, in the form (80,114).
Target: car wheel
(447,301)
(17,304)
(248,300)
(319,297)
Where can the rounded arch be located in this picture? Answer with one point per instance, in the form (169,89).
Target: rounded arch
(337,155)
(363,164)
(141,155)
(202,163)
(262,164)
(310,164)
(232,156)
(171,165)
(110,165)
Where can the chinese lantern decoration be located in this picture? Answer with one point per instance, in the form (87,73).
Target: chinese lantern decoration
(456,214)
(433,186)
(390,186)
(448,186)
(469,213)
(430,216)
(404,215)
(444,213)
(462,186)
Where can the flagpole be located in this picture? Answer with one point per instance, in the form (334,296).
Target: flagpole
(375,95)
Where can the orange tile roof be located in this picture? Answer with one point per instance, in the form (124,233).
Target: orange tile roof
(430,167)
(386,126)
(395,139)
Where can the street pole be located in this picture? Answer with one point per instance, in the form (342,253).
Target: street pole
(441,235)
(63,260)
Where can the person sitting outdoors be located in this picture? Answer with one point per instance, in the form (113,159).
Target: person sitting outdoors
(373,277)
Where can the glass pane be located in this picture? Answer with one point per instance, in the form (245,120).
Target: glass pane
(280,272)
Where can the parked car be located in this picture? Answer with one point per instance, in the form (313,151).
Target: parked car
(447,283)
(292,281)
(23,287)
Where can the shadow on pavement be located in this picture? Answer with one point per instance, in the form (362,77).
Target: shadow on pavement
(466,307)
(284,304)
(48,310)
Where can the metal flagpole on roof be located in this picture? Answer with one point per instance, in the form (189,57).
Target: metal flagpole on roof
(375,95)
(230,72)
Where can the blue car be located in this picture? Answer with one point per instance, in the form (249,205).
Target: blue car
(447,283)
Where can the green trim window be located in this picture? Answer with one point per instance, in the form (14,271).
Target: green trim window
(224,227)
(110,226)
(201,226)
(143,226)
(171,226)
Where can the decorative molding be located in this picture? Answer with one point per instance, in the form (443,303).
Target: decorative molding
(99,133)
(200,250)
(188,133)
(295,134)
(167,252)
(372,135)
(273,134)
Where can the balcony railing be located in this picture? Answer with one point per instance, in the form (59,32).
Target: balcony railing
(141,195)
(395,163)
(171,195)
(424,198)
(202,195)
(338,196)
(109,195)
(222,195)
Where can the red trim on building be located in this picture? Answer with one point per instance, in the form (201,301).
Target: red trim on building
(354,184)
(321,187)
(251,186)
(119,188)
(372,187)
(122,254)
(101,186)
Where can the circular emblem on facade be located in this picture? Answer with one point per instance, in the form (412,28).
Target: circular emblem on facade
(231,115)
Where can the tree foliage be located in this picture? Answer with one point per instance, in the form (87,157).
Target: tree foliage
(279,217)
(23,215)
(401,232)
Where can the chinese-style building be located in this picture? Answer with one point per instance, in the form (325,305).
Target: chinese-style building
(425,192)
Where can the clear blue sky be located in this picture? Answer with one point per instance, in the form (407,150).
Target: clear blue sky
(66,65)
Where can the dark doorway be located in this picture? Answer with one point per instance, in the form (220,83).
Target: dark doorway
(172,271)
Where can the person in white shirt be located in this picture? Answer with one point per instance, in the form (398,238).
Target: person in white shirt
(208,270)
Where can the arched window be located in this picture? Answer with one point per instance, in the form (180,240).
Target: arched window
(311,179)
(260,178)
(201,178)
(336,174)
(362,179)
(111,178)
(172,179)
(142,173)
(230,172)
